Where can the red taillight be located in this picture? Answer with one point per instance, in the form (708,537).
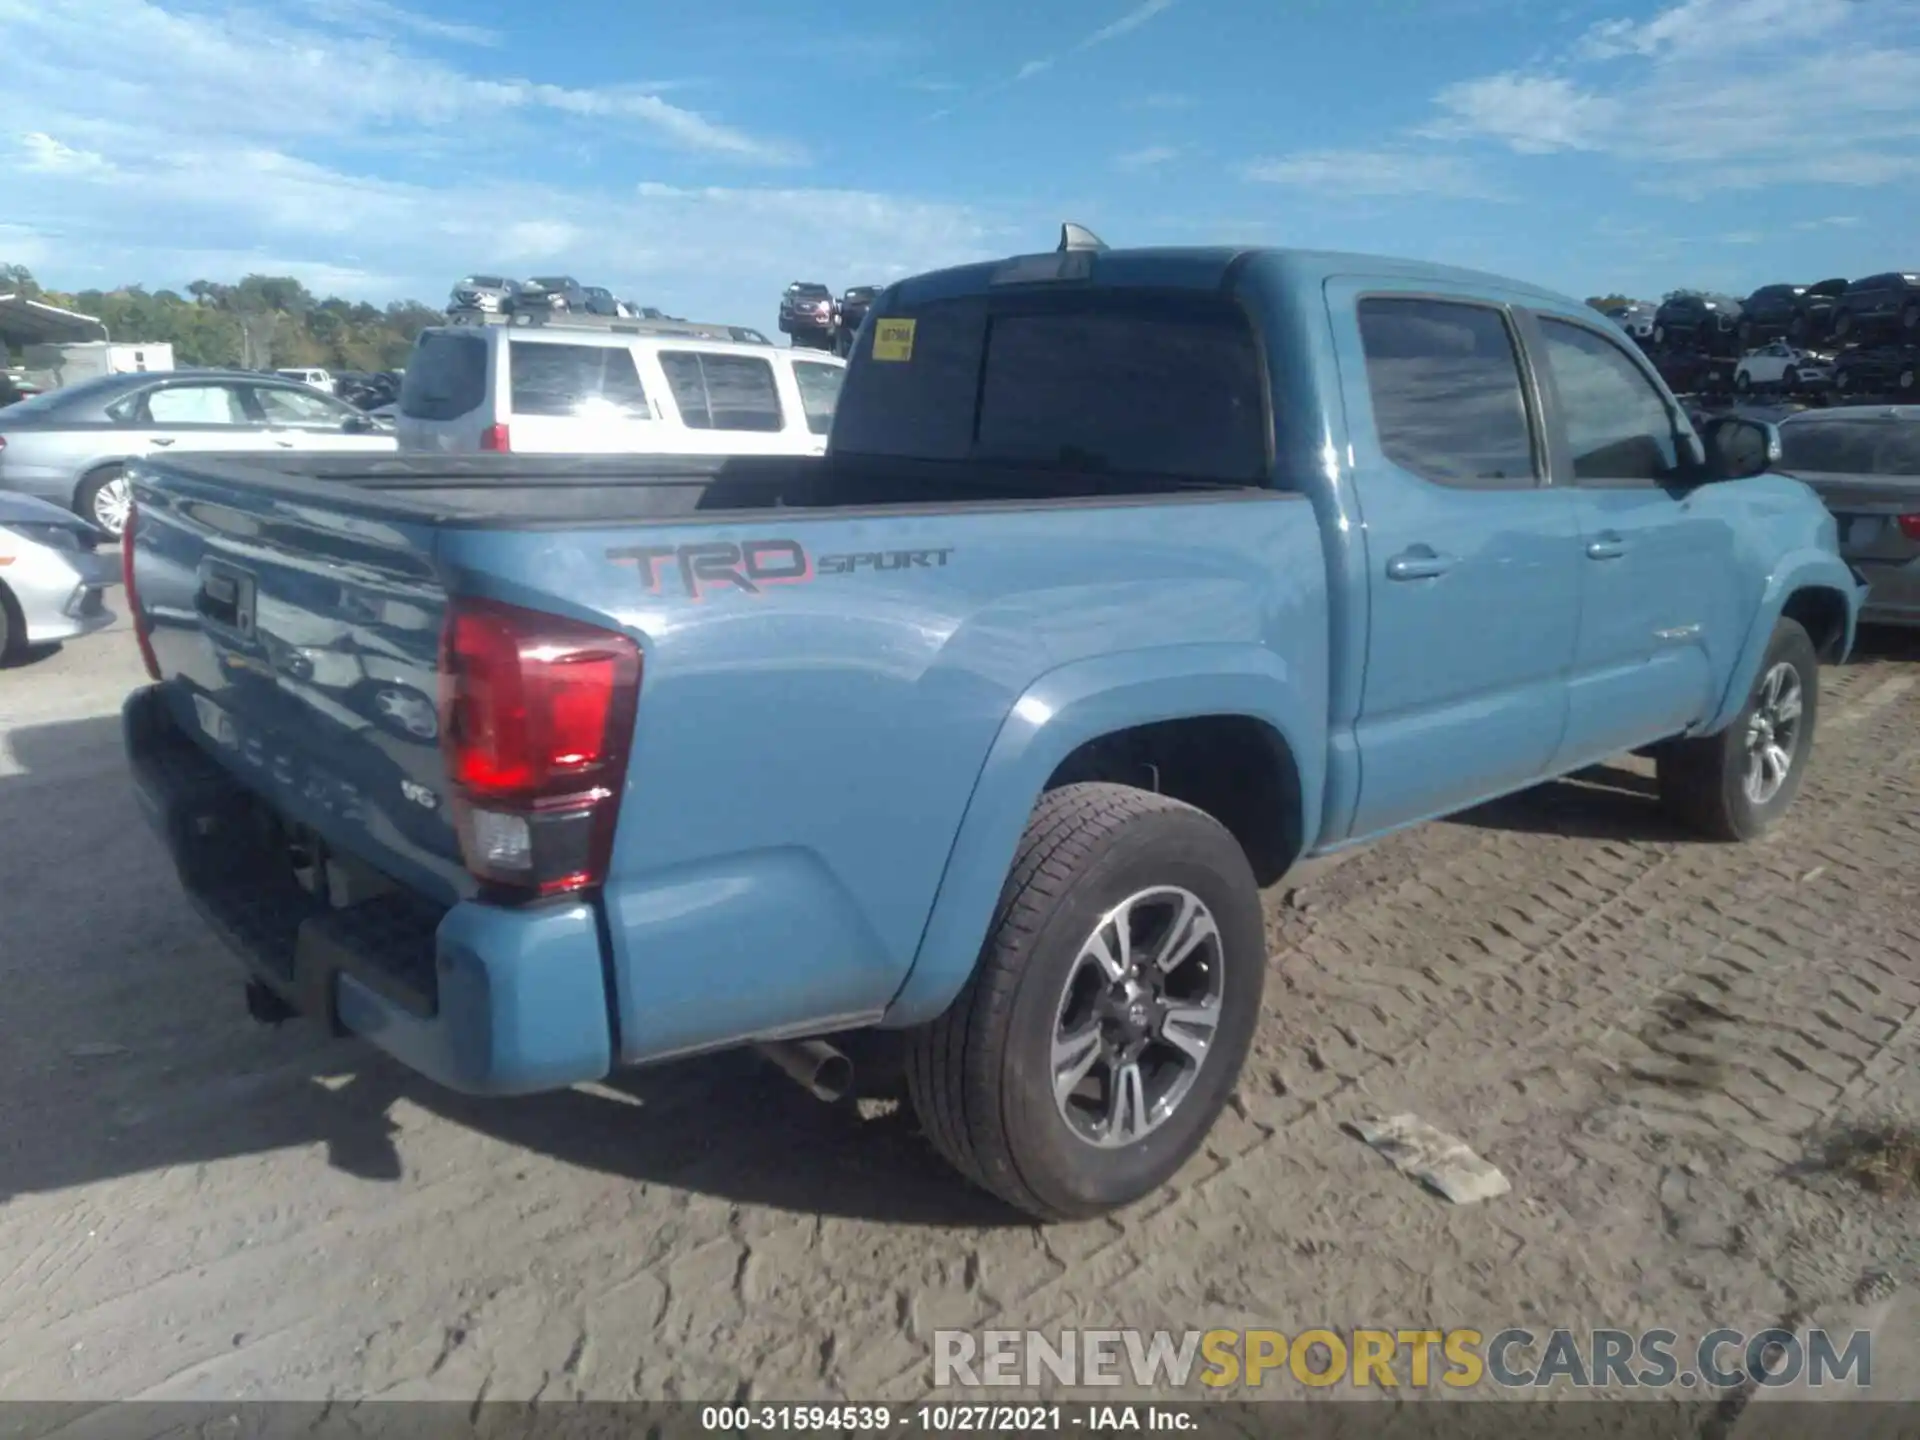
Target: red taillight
(496,439)
(140,627)
(536,715)
(1910,526)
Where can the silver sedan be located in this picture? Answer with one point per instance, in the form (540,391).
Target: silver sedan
(1864,462)
(71,446)
(55,569)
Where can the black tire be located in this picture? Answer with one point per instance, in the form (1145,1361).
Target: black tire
(1797,329)
(1703,780)
(13,628)
(1659,334)
(980,1076)
(85,500)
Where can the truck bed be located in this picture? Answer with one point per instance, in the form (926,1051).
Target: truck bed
(554,491)
(830,655)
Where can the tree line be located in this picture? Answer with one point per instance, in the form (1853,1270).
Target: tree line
(264,322)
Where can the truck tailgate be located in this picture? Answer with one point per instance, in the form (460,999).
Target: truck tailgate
(302,647)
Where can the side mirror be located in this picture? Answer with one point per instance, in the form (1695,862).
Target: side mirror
(1739,449)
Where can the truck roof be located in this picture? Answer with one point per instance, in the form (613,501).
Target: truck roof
(1204,266)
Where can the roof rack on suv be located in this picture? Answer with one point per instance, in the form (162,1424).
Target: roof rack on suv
(608,324)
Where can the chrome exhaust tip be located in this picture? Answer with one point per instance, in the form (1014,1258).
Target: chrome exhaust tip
(819,1069)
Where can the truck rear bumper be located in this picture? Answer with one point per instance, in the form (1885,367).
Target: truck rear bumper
(482,999)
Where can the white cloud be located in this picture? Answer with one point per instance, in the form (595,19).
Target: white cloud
(1534,114)
(1136,17)
(377,17)
(1719,95)
(41,152)
(537,239)
(255,74)
(1165,100)
(1830,222)
(1032,68)
(266,168)
(1375,173)
(1147,157)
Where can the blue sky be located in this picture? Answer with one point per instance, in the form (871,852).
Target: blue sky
(698,157)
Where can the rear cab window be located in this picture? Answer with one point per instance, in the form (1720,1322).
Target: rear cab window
(446,376)
(1134,383)
(723,392)
(574,380)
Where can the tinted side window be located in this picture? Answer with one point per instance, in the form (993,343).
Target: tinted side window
(446,376)
(819,390)
(723,392)
(1447,398)
(1618,425)
(568,380)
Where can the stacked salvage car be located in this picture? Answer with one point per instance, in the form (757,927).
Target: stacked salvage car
(1835,339)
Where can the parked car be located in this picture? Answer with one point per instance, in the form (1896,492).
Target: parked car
(598,300)
(984,730)
(1880,307)
(1635,317)
(1800,313)
(1864,463)
(54,575)
(551,292)
(367,392)
(806,314)
(72,446)
(15,388)
(1708,323)
(853,308)
(602,392)
(1783,367)
(1693,372)
(491,294)
(1886,370)
(319,379)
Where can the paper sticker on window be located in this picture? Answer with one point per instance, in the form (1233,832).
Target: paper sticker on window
(893,339)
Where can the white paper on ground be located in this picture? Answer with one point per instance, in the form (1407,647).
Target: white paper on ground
(1434,1158)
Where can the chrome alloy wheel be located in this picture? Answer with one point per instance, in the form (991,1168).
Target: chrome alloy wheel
(1773,733)
(1137,1016)
(111,502)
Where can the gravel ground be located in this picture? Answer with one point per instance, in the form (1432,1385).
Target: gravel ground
(1655,1039)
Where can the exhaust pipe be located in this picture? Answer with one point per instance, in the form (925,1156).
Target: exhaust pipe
(819,1069)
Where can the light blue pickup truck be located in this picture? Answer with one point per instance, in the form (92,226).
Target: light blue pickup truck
(1129,579)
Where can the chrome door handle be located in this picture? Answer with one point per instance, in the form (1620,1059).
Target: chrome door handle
(1419,563)
(161,440)
(1607,547)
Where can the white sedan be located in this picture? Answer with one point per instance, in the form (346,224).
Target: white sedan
(1781,366)
(55,570)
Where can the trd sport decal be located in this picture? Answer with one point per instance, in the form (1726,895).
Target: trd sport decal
(751,566)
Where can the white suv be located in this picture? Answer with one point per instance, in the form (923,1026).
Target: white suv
(581,391)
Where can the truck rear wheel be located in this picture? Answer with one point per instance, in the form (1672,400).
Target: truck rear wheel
(1110,1013)
(1736,784)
